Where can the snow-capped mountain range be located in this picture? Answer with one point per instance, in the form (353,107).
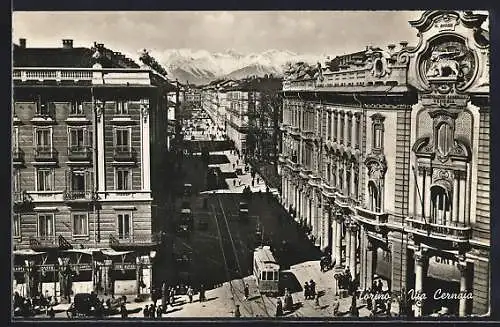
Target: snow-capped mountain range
(201,66)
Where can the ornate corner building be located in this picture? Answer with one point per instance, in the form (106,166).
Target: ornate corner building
(89,135)
(386,158)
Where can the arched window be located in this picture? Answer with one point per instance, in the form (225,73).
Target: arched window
(374,197)
(378,131)
(444,138)
(440,205)
(348,181)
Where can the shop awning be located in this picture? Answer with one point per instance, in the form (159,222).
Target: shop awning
(111,252)
(27,252)
(84,251)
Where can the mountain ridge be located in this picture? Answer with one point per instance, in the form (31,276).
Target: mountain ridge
(201,66)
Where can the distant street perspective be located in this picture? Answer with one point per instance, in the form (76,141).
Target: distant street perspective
(276,186)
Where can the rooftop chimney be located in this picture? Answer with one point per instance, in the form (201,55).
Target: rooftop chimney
(403,44)
(67,43)
(22,43)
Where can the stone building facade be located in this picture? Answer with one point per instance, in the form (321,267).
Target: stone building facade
(89,133)
(385,158)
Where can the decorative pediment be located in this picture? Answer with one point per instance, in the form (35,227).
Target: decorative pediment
(452,53)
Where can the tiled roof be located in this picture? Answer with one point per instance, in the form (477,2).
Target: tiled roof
(52,57)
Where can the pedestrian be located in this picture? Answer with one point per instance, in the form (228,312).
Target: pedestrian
(335,306)
(253,183)
(312,286)
(237,313)
(152,311)
(190,294)
(234,166)
(163,294)
(246,292)
(234,182)
(380,286)
(145,311)
(258,180)
(172,296)
(306,290)
(316,303)
(51,313)
(123,311)
(388,307)
(159,311)
(202,293)
(279,308)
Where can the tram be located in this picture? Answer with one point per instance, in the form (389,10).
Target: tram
(185,220)
(266,270)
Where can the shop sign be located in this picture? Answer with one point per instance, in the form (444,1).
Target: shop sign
(125,266)
(81,266)
(47,267)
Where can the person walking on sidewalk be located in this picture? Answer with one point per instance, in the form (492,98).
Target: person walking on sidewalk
(190,294)
(335,306)
(163,295)
(237,312)
(312,286)
(306,290)
(246,292)
(279,308)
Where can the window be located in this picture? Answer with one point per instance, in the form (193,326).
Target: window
(46,225)
(356,181)
(335,126)
(374,197)
(78,180)
(348,182)
(123,179)
(76,108)
(328,173)
(16,180)
(124,226)
(334,177)
(122,139)
(43,108)
(16,225)
(15,138)
(349,129)
(80,224)
(45,179)
(341,179)
(43,138)
(122,108)
(78,138)
(342,128)
(441,206)
(444,138)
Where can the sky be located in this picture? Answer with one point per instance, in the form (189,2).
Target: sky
(302,32)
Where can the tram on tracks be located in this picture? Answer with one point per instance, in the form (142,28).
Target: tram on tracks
(266,271)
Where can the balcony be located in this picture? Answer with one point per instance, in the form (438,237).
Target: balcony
(371,217)
(45,154)
(49,242)
(17,156)
(130,242)
(80,153)
(455,232)
(78,195)
(124,153)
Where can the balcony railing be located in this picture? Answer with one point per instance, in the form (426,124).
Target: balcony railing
(45,154)
(49,242)
(80,153)
(17,156)
(124,153)
(372,216)
(20,197)
(76,195)
(117,241)
(453,231)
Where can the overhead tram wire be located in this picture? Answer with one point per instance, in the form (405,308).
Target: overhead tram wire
(236,257)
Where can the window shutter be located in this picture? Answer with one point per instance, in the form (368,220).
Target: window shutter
(89,181)
(68,177)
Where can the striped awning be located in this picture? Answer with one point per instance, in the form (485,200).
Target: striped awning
(26,253)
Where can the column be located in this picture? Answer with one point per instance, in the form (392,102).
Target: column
(346,129)
(369,263)
(420,266)
(138,275)
(338,243)
(462,304)
(352,256)
(467,196)
(344,178)
(347,244)
(463,195)
(338,126)
(353,186)
(334,239)
(427,193)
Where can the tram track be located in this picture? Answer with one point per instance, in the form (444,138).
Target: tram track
(238,262)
